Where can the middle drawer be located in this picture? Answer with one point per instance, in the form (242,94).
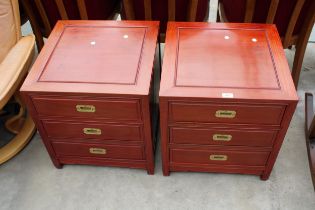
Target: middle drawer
(222,136)
(89,130)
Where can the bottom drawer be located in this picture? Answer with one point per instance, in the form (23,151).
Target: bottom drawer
(103,162)
(98,150)
(219,157)
(254,170)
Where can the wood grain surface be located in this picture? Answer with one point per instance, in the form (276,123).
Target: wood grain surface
(226,98)
(89,93)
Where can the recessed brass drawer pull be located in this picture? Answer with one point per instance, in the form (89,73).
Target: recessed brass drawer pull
(222,137)
(225,114)
(92,131)
(218,157)
(99,151)
(85,108)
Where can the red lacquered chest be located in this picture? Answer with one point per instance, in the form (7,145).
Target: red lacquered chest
(226,98)
(90,93)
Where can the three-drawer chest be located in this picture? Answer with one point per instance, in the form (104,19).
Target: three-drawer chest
(226,98)
(90,93)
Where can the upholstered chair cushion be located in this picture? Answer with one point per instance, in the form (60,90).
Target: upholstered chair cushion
(14,67)
(10,26)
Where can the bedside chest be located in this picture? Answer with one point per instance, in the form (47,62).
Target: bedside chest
(226,98)
(90,93)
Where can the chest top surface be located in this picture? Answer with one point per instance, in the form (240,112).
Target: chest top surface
(215,60)
(96,56)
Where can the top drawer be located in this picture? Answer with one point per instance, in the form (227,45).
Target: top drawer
(226,113)
(117,109)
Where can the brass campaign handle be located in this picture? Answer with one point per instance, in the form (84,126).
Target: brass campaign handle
(222,137)
(225,114)
(218,157)
(99,151)
(92,131)
(85,108)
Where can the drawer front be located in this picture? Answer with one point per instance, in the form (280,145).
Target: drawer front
(92,131)
(109,109)
(222,136)
(219,157)
(98,150)
(251,114)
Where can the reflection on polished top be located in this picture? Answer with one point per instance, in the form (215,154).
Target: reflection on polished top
(96,56)
(247,61)
(225,60)
(102,49)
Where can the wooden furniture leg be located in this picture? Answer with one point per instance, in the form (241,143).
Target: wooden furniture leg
(309,133)
(301,45)
(35,26)
(298,60)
